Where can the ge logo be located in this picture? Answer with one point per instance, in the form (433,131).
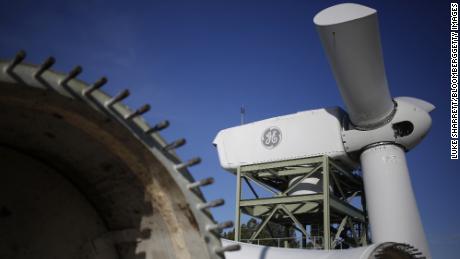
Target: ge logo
(271,137)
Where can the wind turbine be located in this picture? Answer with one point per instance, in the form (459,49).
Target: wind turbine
(383,128)
(375,132)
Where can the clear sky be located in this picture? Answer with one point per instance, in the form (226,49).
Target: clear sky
(196,62)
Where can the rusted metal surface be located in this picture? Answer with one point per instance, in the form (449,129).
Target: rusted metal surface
(119,190)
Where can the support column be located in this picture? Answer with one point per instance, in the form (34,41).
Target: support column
(237,207)
(365,229)
(286,234)
(326,211)
(303,242)
(393,212)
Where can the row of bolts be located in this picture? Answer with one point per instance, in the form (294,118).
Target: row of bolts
(49,62)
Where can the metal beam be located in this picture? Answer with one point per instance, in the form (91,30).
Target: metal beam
(301,179)
(337,183)
(353,231)
(289,172)
(250,187)
(363,234)
(264,223)
(352,196)
(261,184)
(350,176)
(237,210)
(294,162)
(282,199)
(270,231)
(339,231)
(347,209)
(290,215)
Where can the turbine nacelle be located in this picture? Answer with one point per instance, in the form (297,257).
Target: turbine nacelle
(299,135)
(324,131)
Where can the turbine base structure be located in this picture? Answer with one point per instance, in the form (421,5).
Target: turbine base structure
(300,202)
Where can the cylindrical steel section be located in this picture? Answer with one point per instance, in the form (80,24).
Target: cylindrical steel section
(350,36)
(391,205)
(309,185)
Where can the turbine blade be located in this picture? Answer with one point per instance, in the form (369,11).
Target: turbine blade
(350,36)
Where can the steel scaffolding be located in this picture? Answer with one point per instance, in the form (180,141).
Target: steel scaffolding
(340,220)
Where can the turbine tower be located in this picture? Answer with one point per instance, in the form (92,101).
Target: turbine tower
(374,134)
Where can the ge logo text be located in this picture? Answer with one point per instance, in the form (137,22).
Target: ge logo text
(271,137)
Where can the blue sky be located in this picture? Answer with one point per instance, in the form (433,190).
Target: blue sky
(196,62)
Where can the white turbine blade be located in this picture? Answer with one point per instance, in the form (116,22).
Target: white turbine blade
(391,205)
(424,105)
(350,36)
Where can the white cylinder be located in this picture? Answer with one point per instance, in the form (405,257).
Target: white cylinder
(391,205)
(310,185)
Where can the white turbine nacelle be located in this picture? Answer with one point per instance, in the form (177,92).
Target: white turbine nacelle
(319,132)
(298,135)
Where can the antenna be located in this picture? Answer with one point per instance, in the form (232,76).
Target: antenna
(242,114)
